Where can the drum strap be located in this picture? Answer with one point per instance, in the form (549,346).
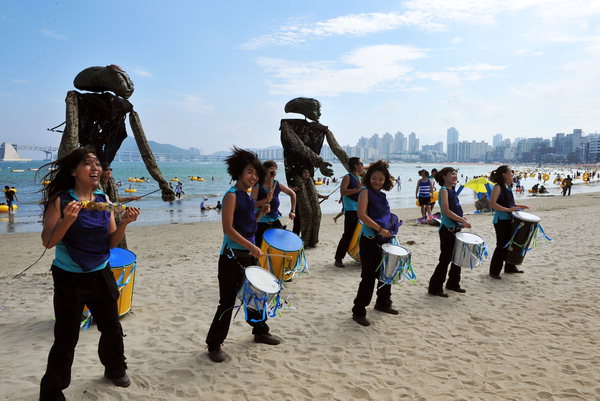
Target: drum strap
(531,238)
(260,304)
(480,252)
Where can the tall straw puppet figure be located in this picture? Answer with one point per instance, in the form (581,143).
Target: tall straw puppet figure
(302,141)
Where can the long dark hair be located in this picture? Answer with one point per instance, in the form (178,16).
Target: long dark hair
(59,176)
(497,175)
(382,166)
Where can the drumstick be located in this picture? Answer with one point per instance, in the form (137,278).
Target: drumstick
(286,223)
(332,192)
(277,256)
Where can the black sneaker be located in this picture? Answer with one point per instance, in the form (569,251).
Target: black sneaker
(386,309)
(456,289)
(217,354)
(495,276)
(339,263)
(122,381)
(267,338)
(362,320)
(438,294)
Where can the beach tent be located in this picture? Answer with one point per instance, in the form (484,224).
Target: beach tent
(479,185)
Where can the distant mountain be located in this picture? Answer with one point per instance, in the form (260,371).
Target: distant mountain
(129,144)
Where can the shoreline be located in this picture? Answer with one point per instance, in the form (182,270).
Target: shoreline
(527,336)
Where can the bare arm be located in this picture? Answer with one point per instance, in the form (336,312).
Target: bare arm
(345,191)
(55,227)
(446,209)
(292,196)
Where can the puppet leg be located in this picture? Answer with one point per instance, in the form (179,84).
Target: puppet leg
(70,137)
(138,132)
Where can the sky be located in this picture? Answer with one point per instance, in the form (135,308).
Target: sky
(216,74)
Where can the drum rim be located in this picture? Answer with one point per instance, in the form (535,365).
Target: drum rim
(262,272)
(384,246)
(462,234)
(523,216)
(120,252)
(277,246)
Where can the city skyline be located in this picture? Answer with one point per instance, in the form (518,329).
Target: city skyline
(213,75)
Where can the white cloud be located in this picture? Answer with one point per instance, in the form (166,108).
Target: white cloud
(478,67)
(363,70)
(53,34)
(353,25)
(141,72)
(431,15)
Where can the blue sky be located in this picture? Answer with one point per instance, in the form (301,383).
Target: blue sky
(215,74)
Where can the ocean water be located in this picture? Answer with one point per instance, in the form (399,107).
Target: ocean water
(217,182)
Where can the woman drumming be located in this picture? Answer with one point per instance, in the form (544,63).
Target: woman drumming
(374,212)
(80,270)
(503,203)
(269,193)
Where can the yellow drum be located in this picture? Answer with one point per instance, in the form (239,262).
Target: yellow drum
(284,253)
(353,248)
(122,263)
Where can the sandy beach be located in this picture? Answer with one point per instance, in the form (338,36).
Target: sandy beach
(531,336)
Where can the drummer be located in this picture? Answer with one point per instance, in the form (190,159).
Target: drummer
(452,222)
(374,212)
(349,189)
(269,193)
(80,269)
(503,203)
(239,220)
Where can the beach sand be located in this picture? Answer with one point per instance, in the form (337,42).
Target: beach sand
(531,336)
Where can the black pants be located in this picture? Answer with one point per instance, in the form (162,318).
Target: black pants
(565,190)
(231,278)
(262,227)
(436,282)
(97,290)
(503,230)
(296,226)
(350,221)
(370,256)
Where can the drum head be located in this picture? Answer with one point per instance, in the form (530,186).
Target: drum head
(263,280)
(121,257)
(469,238)
(396,250)
(524,216)
(282,239)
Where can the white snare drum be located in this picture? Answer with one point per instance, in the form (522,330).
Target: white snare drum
(469,250)
(396,264)
(260,291)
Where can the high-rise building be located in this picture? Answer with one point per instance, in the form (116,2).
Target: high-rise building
(497,140)
(400,140)
(452,144)
(413,143)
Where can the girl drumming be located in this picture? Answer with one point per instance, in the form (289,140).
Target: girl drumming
(269,193)
(503,203)
(374,211)
(80,270)
(239,220)
(452,221)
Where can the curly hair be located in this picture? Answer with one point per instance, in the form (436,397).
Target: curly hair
(383,167)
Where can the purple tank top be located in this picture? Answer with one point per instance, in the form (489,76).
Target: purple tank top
(244,216)
(379,208)
(262,194)
(87,238)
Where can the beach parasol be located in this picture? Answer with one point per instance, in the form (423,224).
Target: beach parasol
(479,185)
